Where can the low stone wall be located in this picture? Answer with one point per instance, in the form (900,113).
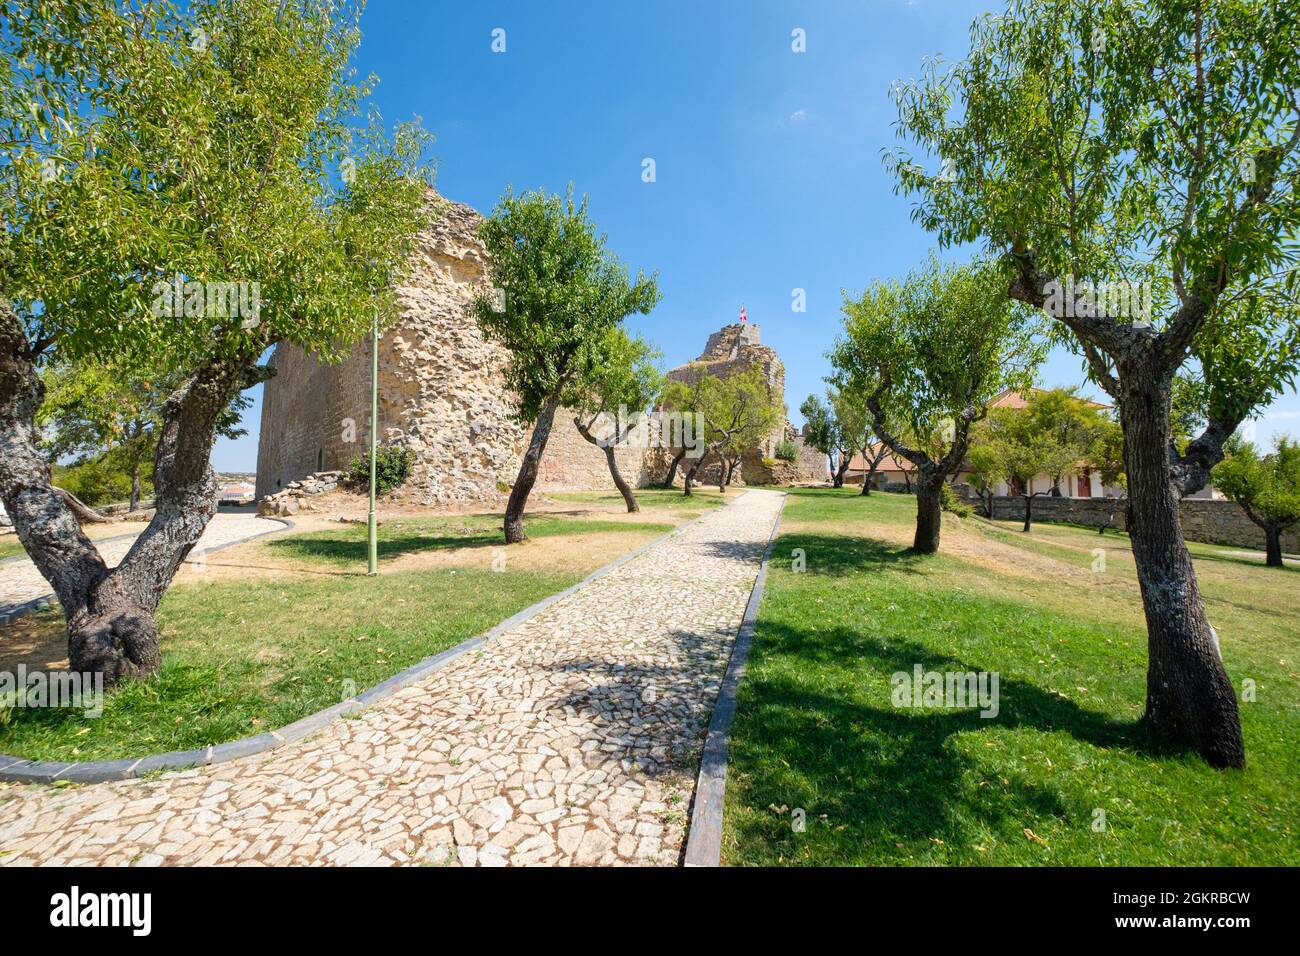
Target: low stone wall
(290,500)
(1213,521)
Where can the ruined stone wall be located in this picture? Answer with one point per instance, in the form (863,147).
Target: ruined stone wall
(441,389)
(304,411)
(732,350)
(443,379)
(572,463)
(442,392)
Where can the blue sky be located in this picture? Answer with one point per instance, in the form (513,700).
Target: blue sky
(768,169)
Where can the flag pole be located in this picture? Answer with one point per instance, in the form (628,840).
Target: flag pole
(374,427)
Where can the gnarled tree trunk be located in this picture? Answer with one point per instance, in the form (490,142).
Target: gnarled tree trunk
(85,514)
(872,465)
(110,614)
(620,483)
(838,481)
(623,487)
(135,487)
(672,469)
(1029,509)
(514,522)
(115,631)
(1273,546)
(1190,700)
(929,512)
(689,478)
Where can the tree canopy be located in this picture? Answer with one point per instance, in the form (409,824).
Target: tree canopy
(937,347)
(1135,166)
(1266,486)
(207,148)
(560,292)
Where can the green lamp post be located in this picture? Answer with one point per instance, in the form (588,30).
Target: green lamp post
(374,429)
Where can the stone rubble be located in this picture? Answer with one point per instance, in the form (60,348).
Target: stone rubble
(290,500)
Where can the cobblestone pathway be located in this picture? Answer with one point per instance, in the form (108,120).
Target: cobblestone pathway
(572,738)
(20,582)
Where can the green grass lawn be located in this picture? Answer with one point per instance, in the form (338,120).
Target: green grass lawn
(347,544)
(701,499)
(816,728)
(244,656)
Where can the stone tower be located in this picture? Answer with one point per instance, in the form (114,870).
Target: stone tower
(441,390)
(734,349)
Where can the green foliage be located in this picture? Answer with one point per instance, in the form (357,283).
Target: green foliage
(949,502)
(737,411)
(787,450)
(392,468)
(852,419)
(624,372)
(934,349)
(1052,435)
(95,408)
(1106,453)
(216,160)
(822,432)
(1117,140)
(102,480)
(1266,486)
(560,294)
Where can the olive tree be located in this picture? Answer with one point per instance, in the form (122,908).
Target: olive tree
(110,414)
(617,392)
(937,347)
(855,433)
(1135,164)
(557,293)
(824,434)
(738,416)
(734,412)
(166,148)
(1013,446)
(1266,486)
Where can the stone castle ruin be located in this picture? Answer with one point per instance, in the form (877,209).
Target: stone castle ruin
(442,394)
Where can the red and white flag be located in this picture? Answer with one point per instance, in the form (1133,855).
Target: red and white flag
(742,314)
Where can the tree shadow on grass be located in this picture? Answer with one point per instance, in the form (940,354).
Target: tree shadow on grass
(841,555)
(882,774)
(834,555)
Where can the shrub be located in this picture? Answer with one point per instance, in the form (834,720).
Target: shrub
(787,450)
(949,501)
(392,467)
(97,481)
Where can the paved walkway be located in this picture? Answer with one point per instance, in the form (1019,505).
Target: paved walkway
(572,738)
(20,582)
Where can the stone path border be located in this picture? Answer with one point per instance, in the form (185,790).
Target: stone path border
(45,600)
(20,770)
(704,841)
